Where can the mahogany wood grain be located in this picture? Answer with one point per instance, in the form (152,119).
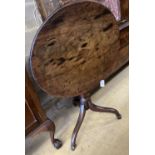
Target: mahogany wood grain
(75,48)
(112,5)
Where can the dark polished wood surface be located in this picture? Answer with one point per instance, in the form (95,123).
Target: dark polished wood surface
(75,48)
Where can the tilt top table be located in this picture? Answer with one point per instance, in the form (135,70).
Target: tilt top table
(73,50)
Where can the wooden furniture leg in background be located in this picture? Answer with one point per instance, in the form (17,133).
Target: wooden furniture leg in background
(49,126)
(85,104)
(36,120)
(46,7)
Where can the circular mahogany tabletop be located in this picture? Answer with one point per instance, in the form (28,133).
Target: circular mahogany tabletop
(75,48)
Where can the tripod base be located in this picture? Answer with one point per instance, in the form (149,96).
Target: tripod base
(85,104)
